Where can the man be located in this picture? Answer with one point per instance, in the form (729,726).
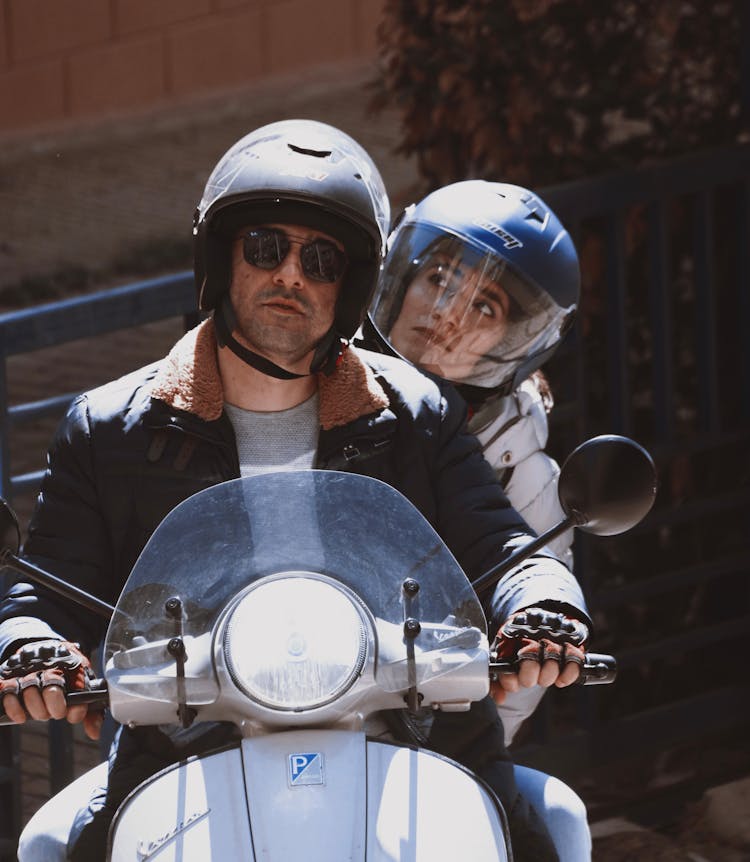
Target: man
(288,241)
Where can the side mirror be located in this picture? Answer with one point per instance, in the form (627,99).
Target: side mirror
(10,534)
(607,485)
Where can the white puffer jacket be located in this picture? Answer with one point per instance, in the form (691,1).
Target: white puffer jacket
(513,432)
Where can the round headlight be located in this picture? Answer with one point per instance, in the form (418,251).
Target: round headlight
(295,643)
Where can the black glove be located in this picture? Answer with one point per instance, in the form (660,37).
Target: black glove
(42,664)
(536,634)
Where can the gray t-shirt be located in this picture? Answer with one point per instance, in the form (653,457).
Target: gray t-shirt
(281,440)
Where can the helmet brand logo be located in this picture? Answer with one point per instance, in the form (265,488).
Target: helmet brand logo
(318,176)
(509,241)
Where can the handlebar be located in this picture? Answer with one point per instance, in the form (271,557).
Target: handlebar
(598,669)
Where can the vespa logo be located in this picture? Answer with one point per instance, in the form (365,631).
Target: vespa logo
(305,769)
(146,849)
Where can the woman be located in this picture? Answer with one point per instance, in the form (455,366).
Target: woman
(480,284)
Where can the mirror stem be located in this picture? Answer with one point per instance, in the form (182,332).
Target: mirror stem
(56,584)
(493,575)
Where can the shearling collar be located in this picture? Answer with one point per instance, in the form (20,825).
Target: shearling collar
(189,380)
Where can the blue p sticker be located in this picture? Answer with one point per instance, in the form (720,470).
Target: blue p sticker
(305,769)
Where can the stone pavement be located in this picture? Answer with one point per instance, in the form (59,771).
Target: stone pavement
(89,208)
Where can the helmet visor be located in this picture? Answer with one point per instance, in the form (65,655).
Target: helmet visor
(460,311)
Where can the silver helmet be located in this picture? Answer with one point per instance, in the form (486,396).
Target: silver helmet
(297,172)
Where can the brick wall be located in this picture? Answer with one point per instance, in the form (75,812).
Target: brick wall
(66,60)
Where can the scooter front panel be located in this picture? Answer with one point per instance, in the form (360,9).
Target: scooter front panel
(306,794)
(194,812)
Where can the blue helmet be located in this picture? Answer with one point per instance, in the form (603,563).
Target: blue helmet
(481,282)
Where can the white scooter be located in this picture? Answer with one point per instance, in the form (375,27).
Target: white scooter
(299,606)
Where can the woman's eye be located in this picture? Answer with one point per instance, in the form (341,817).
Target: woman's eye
(438,277)
(485,309)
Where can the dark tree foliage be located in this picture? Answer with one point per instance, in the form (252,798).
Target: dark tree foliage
(540,91)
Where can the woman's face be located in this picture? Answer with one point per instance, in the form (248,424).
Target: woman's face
(452,315)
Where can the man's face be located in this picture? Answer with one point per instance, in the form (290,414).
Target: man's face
(282,313)
(452,315)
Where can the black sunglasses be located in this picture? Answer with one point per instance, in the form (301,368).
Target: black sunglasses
(266,248)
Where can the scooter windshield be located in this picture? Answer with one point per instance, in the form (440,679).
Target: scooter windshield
(353,529)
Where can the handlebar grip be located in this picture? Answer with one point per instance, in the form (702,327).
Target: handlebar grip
(97,695)
(598,669)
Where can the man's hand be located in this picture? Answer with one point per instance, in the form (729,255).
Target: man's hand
(548,646)
(34,680)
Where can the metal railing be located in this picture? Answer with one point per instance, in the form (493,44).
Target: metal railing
(664,358)
(62,322)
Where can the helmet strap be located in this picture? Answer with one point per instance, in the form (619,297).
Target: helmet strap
(327,353)
(477,396)
(225,322)
(324,359)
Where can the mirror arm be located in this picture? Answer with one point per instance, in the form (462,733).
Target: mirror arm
(493,575)
(57,585)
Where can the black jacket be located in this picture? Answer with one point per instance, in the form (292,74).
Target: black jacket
(129,452)
(126,454)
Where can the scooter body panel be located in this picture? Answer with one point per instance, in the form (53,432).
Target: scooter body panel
(312,794)
(195,811)
(423,808)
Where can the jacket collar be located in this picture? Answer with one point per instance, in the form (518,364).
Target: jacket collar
(189,380)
